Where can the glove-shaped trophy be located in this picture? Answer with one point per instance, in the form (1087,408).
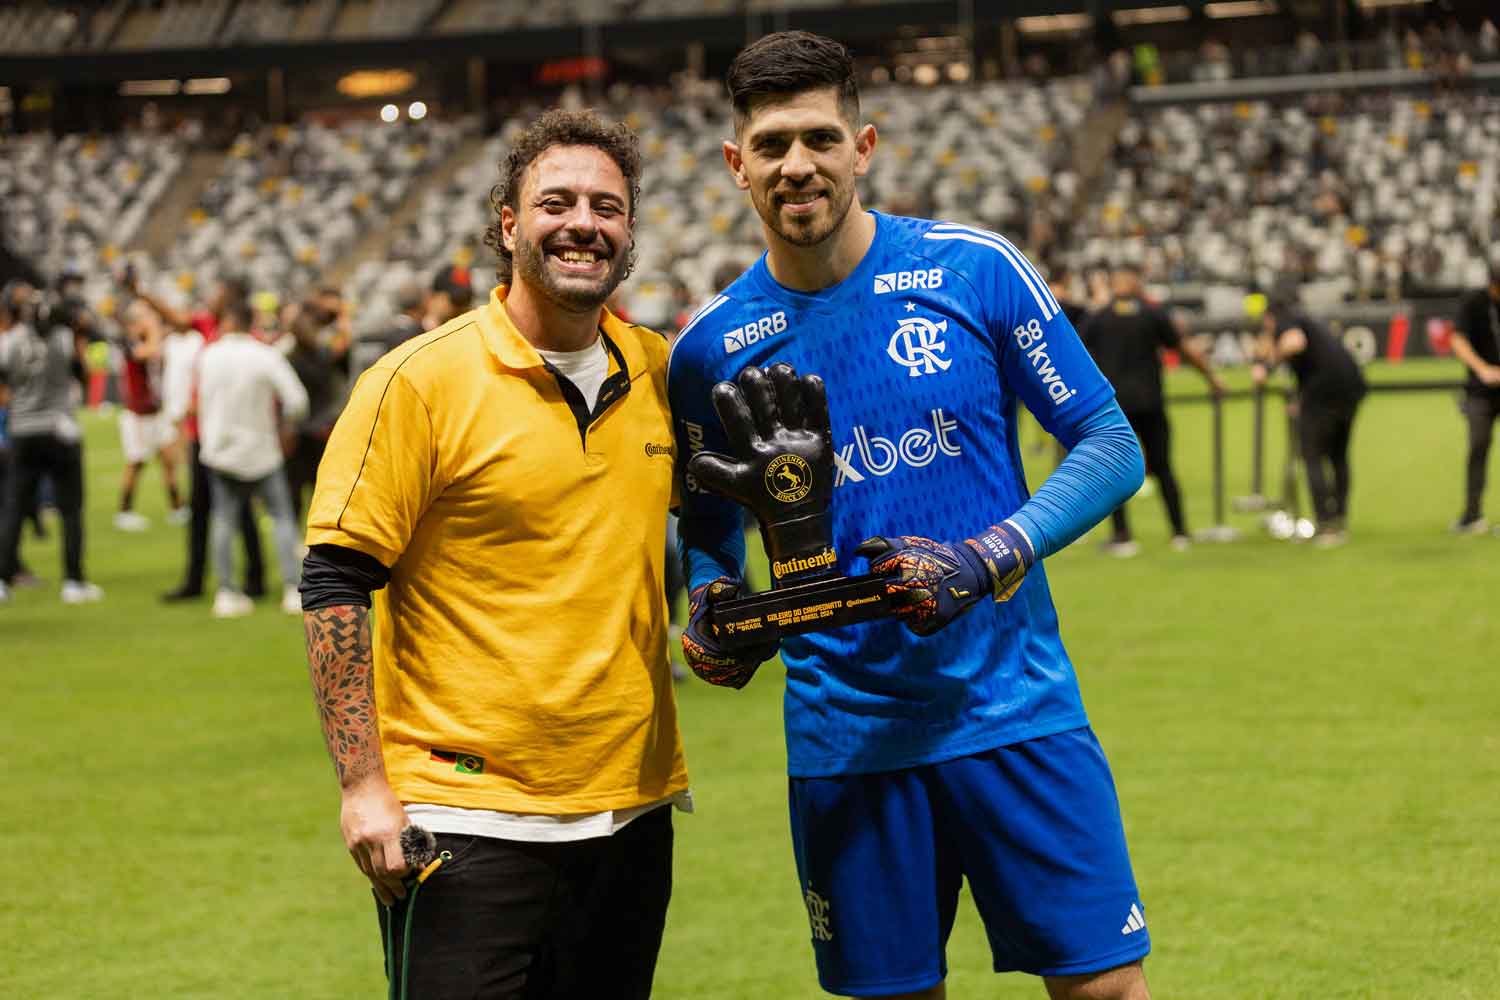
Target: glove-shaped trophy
(781,468)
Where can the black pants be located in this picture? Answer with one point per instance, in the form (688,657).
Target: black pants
(1324,428)
(35,456)
(505,920)
(1482,410)
(1156,442)
(302,467)
(200,506)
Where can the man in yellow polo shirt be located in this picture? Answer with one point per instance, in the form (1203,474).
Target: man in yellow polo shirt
(501,484)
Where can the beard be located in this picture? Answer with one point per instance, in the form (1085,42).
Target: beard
(574,293)
(810,231)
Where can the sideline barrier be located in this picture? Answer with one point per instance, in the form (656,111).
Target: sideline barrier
(1285,512)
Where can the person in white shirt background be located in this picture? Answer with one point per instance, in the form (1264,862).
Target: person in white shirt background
(248,397)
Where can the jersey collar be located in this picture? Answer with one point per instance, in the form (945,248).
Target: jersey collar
(515,352)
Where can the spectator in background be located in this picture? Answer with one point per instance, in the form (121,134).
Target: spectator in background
(411,304)
(242,383)
(1330,387)
(1060,282)
(320,357)
(39,365)
(1476,342)
(1126,338)
(145,430)
(205,322)
(452,293)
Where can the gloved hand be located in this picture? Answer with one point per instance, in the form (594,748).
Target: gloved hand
(932,583)
(708,659)
(781,466)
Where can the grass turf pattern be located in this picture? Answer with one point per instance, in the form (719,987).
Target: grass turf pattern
(1306,744)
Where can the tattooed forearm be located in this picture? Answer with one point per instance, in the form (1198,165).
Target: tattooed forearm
(339,660)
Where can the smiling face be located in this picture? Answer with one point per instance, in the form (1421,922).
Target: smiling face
(798,157)
(570,235)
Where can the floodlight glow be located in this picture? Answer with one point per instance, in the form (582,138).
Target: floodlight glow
(416,111)
(389,113)
(207,85)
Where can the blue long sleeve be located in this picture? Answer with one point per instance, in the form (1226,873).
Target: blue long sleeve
(1103,469)
(710,547)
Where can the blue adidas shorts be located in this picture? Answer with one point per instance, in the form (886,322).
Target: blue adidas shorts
(1034,827)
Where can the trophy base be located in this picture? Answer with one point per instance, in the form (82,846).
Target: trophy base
(807,607)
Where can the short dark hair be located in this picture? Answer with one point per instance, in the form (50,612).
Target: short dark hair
(559,127)
(238,315)
(788,63)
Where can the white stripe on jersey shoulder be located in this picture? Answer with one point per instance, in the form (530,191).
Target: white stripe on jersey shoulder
(1041,282)
(703,311)
(1028,274)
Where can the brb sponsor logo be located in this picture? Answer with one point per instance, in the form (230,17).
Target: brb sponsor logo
(1030,339)
(918,345)
(754,332)
(872,455)
(905,281)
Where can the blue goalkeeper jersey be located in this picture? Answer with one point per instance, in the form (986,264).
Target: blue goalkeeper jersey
(926,350)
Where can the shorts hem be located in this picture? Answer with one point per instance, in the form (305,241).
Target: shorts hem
(883,988)
(1102,963)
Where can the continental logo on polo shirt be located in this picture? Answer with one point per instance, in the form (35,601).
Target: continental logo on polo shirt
(789,478)
(654,450)
(463,763)
(818,560)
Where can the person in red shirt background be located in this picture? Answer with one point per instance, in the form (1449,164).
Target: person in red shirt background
(206,322)
(145,431)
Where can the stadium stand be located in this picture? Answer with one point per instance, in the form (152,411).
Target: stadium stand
(79,200)
(292,199)
(36,28)
(988,155)
(1379,197)
(175,24)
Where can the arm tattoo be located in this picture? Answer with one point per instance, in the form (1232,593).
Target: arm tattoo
(339,660)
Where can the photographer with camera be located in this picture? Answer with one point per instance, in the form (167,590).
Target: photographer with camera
(40,357)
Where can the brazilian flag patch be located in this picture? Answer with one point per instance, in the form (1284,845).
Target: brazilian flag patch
(463,763)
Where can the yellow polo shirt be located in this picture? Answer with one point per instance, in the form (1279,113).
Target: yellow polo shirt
(521,644)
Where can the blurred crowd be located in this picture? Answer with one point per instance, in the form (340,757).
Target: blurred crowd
(235,394)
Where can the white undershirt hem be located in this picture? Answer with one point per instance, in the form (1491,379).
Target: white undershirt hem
(534,828)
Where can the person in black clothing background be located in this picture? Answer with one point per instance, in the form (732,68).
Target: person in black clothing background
(1476,342)
(320,357)
(1126,338)
(1330,387)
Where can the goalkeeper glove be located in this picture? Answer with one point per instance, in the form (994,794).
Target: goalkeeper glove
(776,422)
(932,583)
(708,659)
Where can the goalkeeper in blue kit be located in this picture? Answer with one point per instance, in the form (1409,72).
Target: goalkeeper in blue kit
(950,742)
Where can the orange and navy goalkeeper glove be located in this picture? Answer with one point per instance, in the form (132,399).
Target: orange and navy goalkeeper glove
(933,583)
(708,659)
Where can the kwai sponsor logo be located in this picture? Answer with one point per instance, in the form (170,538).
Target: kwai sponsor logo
(1030,339)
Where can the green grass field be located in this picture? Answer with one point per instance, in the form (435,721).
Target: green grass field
(1306,742)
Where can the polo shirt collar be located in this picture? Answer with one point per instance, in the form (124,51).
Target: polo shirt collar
(515,352)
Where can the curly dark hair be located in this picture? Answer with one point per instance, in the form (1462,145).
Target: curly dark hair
(558,127)
(787,63)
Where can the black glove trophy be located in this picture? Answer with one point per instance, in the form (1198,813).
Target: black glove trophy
(782,469)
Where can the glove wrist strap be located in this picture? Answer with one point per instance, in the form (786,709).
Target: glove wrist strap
(995,551)
(800,549)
